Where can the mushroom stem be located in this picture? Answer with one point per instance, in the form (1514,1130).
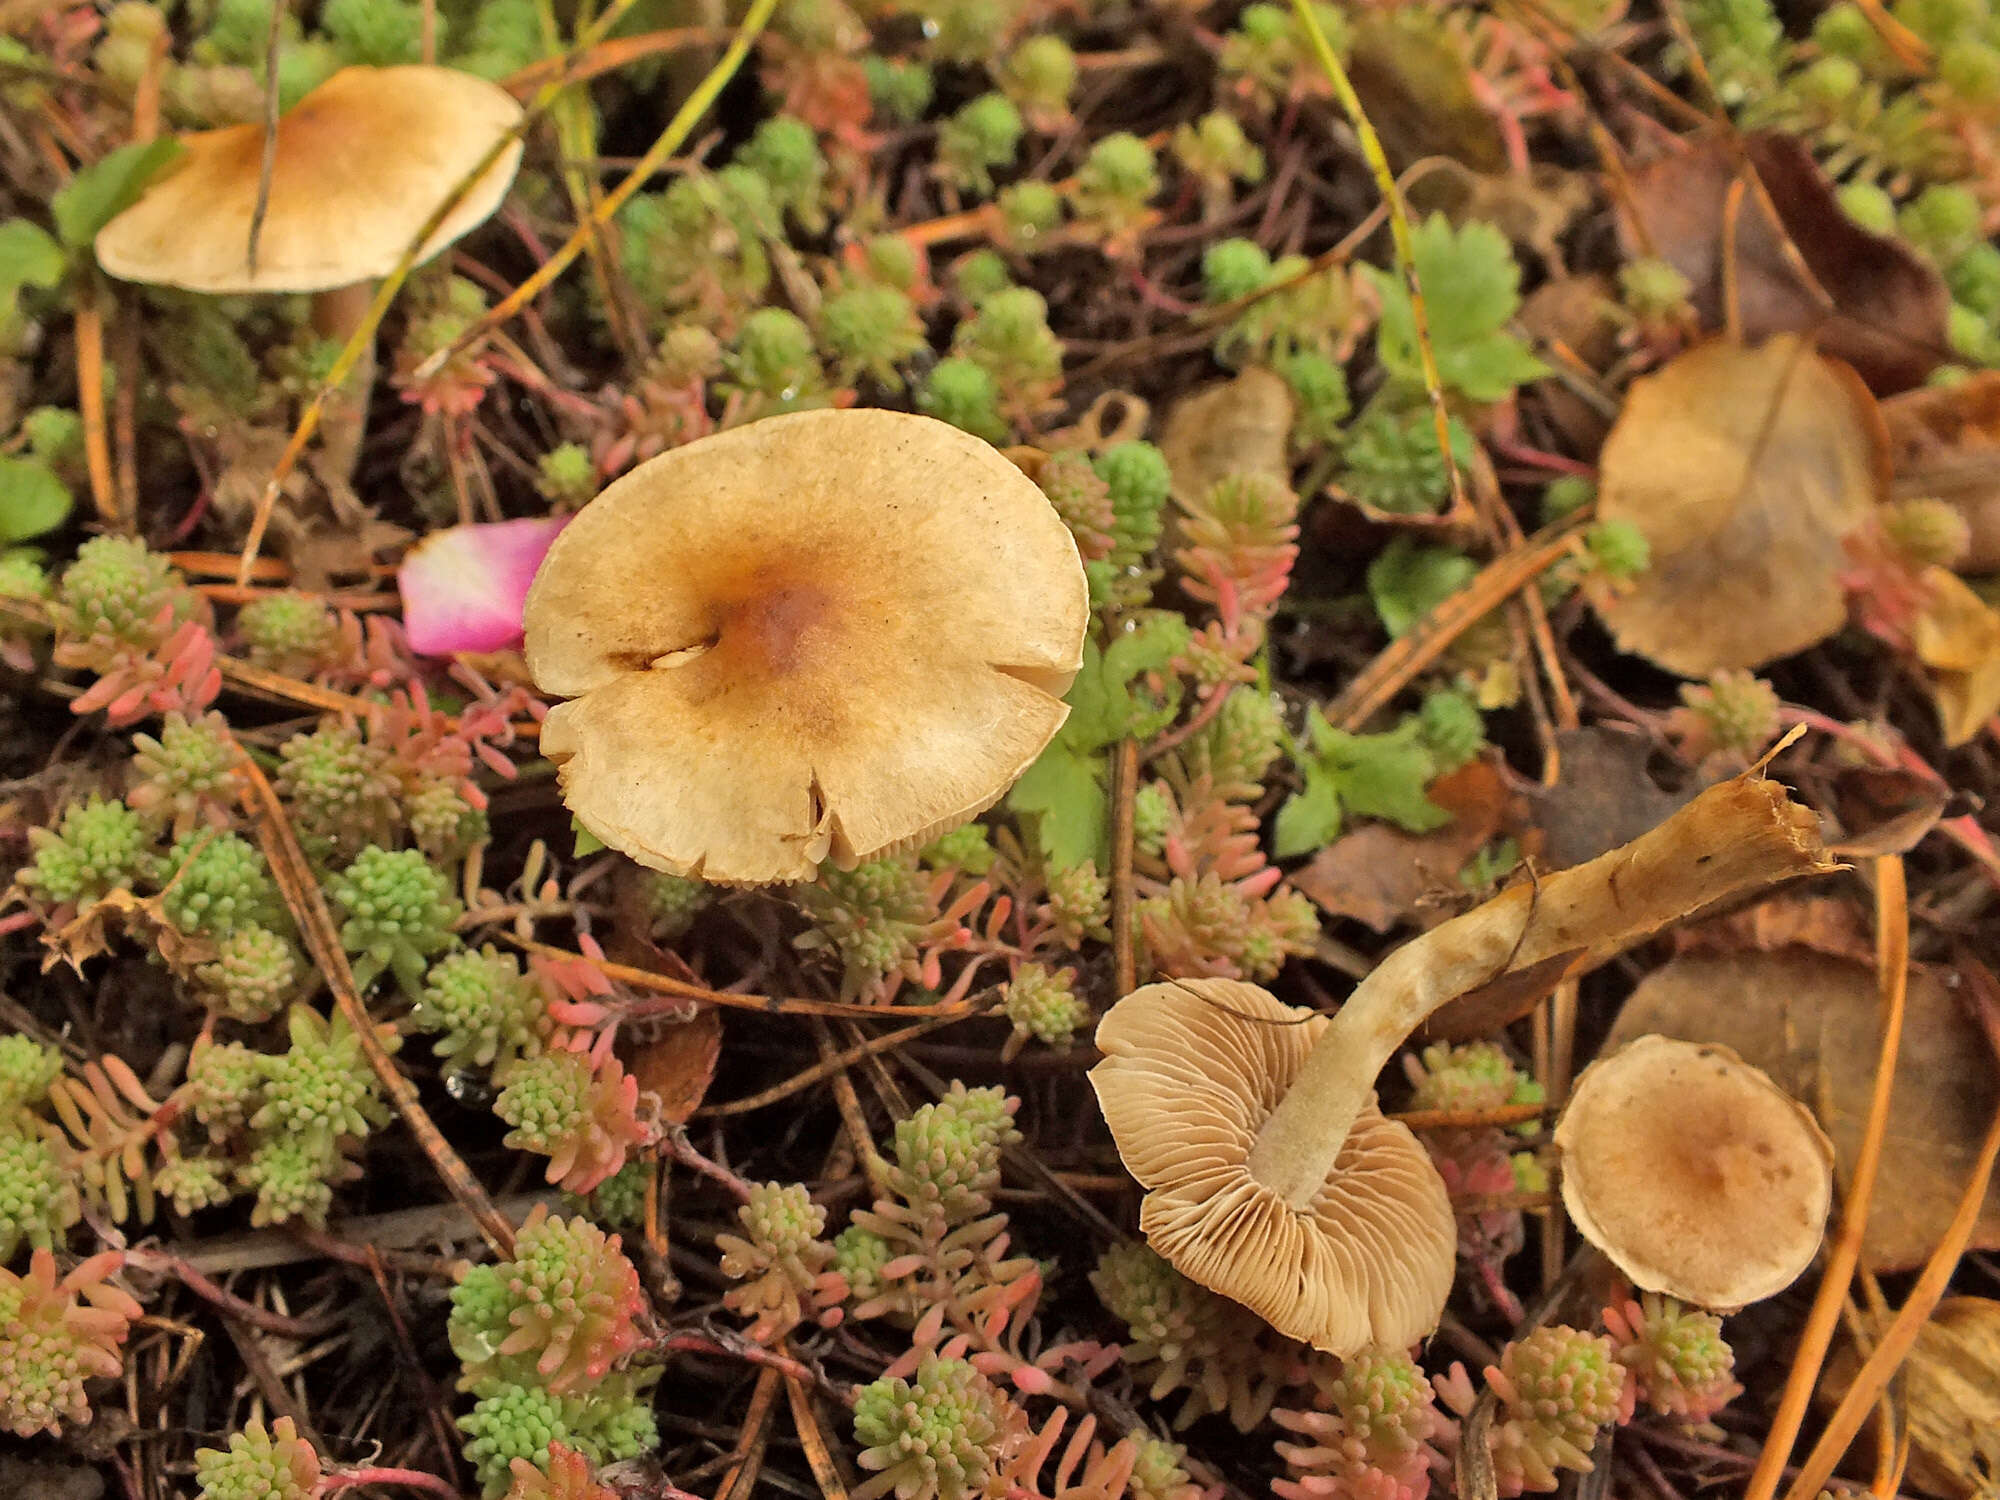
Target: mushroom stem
(336,313)
(1734,838)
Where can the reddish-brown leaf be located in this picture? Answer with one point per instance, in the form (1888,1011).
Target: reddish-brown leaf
(1889,305)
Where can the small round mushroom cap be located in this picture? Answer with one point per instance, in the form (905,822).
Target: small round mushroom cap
(362,163)
(1695,1173)
(827,634)
(1189,1077)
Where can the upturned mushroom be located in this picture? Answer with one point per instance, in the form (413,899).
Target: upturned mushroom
(359,167)
(1246,1232)
(831,634)
(1694,1173)
(1199,1065)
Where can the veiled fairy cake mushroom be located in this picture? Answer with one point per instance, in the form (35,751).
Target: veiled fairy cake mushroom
(360,166)
(1190,1075)
(831,634)
(1694,1172)
(1248,1230)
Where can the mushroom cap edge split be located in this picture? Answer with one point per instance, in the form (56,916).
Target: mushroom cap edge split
(829,633)
(1188,1078)
(362,162)
(1694,1173)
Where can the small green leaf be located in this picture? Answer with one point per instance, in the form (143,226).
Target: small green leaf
(32,500)
(1358,775)
(1471,288)
(1309,820)
(1407,580)
(1066,794)
(105,189)
(1066,790)
(28,257)
(586,841)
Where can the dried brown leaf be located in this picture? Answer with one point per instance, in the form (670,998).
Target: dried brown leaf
(1949,1394)
(1744,467)
(1813,1023)
(1604,795)
(1577,319)
(1946,444)
(1379,875)
(679,1064)
(1418,92)
(1239,426)
(1957,635)
(1889,304)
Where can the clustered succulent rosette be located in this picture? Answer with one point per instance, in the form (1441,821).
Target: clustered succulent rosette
(56,1334)
(1558,1388)
(779,1261)
(260,1464)
(935,1436)
(546,1341)
(1368,1434)
(1182,1337)
(575,1105)
(1682,1365)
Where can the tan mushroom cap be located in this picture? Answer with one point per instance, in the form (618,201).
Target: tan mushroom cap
(1187,1080)
(362,163)
(1694,1172)
(832,633)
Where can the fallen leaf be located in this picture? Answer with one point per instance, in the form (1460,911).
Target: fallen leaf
(1418,92)
(1604,795)
(1744,468)
(1479,1013)
(1813,1023)
(1825,924)
(1885,810)
(679,1064)
(1945,443)
(1577,320)
(1379,875)
(1889,304)
(1240,426)
(1957,635)
(1948,1390)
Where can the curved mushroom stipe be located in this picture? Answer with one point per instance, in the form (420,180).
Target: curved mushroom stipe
(1171,1066)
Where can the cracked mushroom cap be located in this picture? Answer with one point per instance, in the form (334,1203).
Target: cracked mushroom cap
(833,633)
(1696,1174)
(1188,1078)
(362,163)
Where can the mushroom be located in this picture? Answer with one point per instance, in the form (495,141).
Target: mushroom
(826,634)
(1694,1172)
(1190,1075)
(1306,1129)
(360,166)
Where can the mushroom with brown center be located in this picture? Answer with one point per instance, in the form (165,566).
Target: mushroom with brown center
(360,166)
(1246,1228)
(826,634)
(1694,1173)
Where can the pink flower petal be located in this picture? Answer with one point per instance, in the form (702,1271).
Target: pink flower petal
(463,588)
